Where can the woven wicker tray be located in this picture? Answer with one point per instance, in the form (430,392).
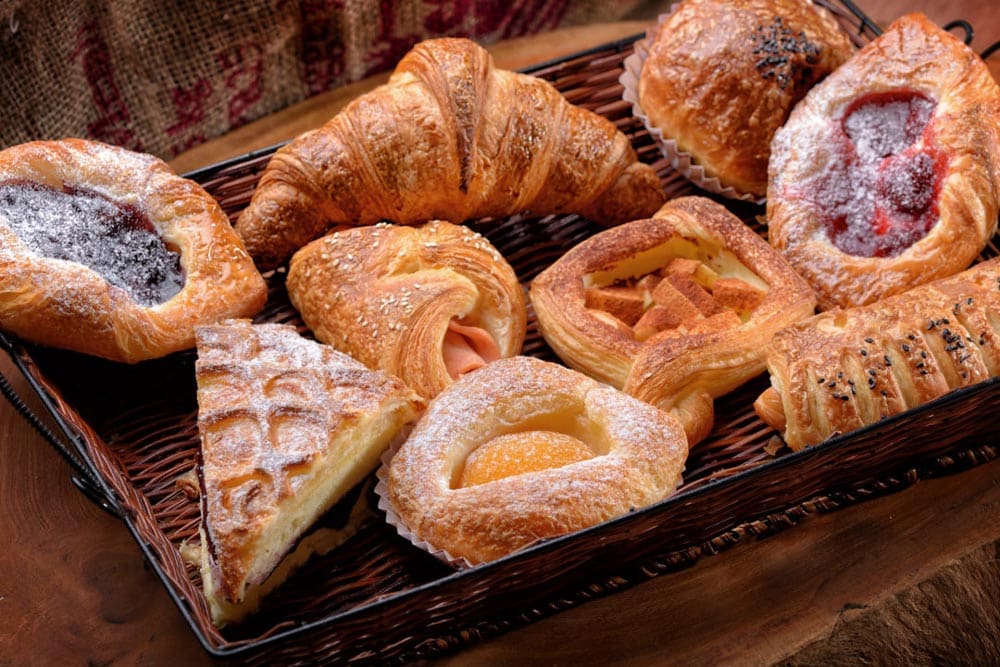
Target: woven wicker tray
(132,432)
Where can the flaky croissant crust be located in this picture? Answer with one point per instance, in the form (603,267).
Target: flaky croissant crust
(68,305)
(913,55)
(448,137)
(385,294)
(673,370)
(842,369)
(639,456)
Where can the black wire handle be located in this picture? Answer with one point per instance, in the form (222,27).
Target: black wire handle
(85,479)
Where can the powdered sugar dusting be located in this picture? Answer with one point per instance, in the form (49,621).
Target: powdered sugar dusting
(79,225)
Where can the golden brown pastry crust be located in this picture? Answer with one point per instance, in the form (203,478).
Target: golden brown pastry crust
(722,75)
(386,294)
(68,305)
(842,369)
(639,456)
(912,56)
(448,137)
(683,368)
(287,426)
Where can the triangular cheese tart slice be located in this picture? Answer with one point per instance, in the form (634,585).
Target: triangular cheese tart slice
(288,426)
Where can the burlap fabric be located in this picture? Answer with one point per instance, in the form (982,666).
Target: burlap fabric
(161,76)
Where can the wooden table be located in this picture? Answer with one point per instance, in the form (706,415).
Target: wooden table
(908,578)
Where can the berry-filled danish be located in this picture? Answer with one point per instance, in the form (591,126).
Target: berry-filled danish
(107,252)
(840,370)
(524,450)
(886,175)
(426,304)
(676,310)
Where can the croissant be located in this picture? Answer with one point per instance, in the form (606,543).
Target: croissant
(843,369)
(108,252)
(288,426)
(426,304)
(886,175)
(448,137)
(675,310)
(523,450)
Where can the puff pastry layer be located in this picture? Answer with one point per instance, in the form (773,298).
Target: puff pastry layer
(722,75)
(448,137)
(108,252)
(426,304)
(842,369)
(885,175)
(287,426)
(628,455)
(676,310)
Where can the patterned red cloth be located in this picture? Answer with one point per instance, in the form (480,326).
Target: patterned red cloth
(143,75)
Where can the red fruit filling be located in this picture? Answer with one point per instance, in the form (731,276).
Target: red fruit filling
(882,196)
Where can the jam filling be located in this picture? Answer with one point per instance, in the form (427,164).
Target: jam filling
(882,195)
(79,225)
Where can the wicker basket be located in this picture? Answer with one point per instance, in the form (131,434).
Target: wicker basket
(132,433)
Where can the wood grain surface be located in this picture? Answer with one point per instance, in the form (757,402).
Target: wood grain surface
(910,578)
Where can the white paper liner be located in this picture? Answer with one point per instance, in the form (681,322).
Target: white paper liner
(393,519)
(682,162)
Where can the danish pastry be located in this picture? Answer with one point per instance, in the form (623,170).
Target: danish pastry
(523,450)
(722,75)
(886,174)
(676,310)
(107,252)
(288,426)
(842,369)
(426,304)
(448,137)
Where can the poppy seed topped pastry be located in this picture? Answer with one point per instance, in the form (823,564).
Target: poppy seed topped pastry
(839,370)
(107,252)
(288,426)
(886,175)
(449,137)
(722,75)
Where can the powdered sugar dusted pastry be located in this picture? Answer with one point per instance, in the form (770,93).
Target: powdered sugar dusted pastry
(886,174)
(426,304)
(108,252)
(288,426)
(722,75)
(523,450)
(837,371)
(676,310)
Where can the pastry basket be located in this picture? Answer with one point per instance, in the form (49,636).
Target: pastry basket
(130,432)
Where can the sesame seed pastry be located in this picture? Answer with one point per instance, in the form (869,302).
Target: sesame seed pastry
(722,75)
(288,426)
(427,304)
(108,252)
(523,450)
(449,137)
(675,310)
(886,175)
(842,369)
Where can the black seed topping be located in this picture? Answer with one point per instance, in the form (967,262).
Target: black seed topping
(906,348)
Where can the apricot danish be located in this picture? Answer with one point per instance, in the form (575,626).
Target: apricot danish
(107,252)
(523,450)
(675,310)
(886,175)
